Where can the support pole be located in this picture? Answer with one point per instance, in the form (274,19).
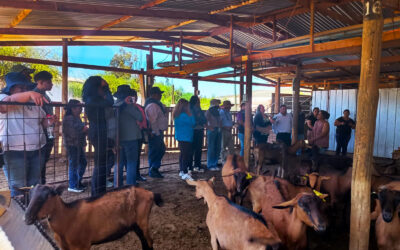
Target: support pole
(277,96)
(367,100)
(241,88)
(248,113)
(64,66)
(295,104)
(195,83)
(142,88)
(149,66)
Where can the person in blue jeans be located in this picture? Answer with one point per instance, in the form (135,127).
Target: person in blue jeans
(74,134)
(129,135)
(21,132)
(157,117)
(213,135)
(184,125)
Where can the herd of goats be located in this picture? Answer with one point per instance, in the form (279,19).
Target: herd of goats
(311,190)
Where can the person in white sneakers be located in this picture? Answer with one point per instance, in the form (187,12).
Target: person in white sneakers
(184,124)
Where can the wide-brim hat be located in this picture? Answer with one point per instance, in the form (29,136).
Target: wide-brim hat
(124,91)
(227,104)
(155,90)
(19,68)
(15,78)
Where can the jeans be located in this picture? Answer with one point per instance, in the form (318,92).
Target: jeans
(342,142)
(22,169)
(227,147)
(198,137)
(241,139)
(46,150)
(214,147)
(299,137)
(285,138)
(100,165)
(185,156)
(156,151)
(77,165)
(129,155)
(140,144)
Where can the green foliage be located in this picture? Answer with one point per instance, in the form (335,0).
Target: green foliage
(114,81)
(29,52)
(75,88)
(123,59)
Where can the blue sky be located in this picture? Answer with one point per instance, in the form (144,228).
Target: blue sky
(101,55)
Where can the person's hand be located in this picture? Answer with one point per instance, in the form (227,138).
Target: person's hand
(37,98)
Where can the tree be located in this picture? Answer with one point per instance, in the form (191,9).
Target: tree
(29,52)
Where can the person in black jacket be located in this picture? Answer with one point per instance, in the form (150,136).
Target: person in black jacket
(97,96)
(198,132)
(344,125)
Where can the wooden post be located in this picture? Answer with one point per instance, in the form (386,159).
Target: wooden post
(277,96)
(312,14)
(64,95)
(367,103)
(142,88)
(248,113)
(149,66)
(295,104)
(195,83)
(241,88)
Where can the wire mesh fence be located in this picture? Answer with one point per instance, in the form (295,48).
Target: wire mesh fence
(29,158)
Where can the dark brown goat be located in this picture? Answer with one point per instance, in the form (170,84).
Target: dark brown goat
(84,222)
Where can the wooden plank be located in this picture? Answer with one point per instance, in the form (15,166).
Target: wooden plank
(353,114)
(332,112)
(368,95)
(248,112)
(312,14)
(383,120)
(391,122)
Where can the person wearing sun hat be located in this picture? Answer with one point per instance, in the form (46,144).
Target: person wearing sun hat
(21,132)
(227,147)
(158,121)
(19,68)
(129,134)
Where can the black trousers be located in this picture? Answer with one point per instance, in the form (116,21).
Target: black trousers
(285,137)
(48,147)
(342,142)
(185,156)
(198,137)
(100,165)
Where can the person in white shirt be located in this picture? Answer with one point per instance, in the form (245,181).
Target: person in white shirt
(21,132)
(282,124)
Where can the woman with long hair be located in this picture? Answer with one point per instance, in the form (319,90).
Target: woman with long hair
(97,97)
(320,132)
(198,132)
(184,124)
(74,134)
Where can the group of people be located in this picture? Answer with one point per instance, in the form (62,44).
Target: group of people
(27,135)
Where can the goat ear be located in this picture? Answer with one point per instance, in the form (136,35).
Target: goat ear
(286,204)
(211,180)
(191,183)
(59,189)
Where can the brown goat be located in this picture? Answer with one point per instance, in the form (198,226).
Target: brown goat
(232,226)
(235,177)
(290,218)
(79,224)
(387,215)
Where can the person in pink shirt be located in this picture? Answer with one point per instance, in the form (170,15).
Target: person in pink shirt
(320,131)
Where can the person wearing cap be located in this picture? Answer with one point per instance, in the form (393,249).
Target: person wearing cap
(44,83)
(282,124)
(129,134)
(21,132)
(240,118)
(213,135)
(227,147)
(158,121)
(97,97)
(19,68)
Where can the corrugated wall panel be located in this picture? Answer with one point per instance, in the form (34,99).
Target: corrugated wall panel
(387,132)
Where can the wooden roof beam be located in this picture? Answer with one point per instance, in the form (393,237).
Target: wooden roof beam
(117,10)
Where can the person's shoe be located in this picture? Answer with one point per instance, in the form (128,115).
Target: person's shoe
(109,184)
(187,177)
(199,170)
(140,178)
(181,173)
(155,174)
(75,190)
